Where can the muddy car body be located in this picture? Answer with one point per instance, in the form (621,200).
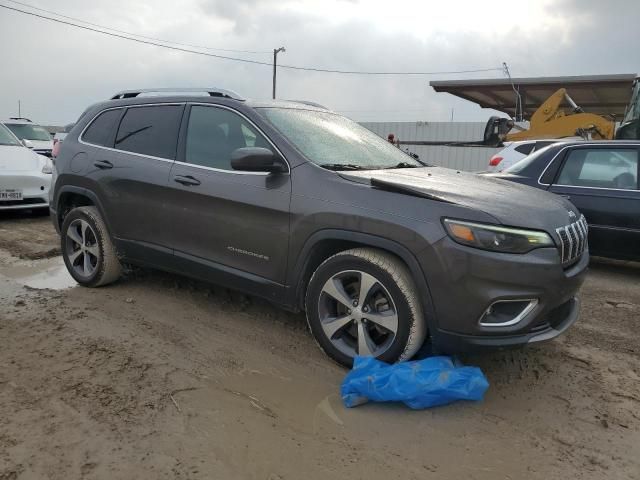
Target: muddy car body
(301,206)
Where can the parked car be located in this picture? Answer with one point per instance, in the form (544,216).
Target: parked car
(25,176)
(58,138)
(299,205)
(601,180)
(513,152)
(32,135)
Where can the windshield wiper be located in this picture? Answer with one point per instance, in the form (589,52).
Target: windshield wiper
(343,166)
(403,165)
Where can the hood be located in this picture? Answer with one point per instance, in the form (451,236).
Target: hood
(42,144)
(18,159)
(509,203)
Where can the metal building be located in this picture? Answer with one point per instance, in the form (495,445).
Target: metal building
(471,159)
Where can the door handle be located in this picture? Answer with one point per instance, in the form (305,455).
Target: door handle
(568,197)
(187,180)
(103,164)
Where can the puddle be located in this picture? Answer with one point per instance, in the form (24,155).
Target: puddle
(51,274)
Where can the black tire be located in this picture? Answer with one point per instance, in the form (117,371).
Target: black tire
(395,279)
(104,266)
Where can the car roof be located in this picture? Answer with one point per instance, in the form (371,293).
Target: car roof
(17,121)
(613,143)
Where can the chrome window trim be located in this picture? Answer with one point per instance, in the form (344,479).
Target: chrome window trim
(533,303)
(628,146)
(234,172)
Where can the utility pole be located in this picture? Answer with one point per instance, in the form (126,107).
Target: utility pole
(19,110)
(276,51)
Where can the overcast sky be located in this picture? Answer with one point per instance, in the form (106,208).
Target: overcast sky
(58,70)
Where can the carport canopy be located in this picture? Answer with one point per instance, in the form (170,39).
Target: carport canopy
(599,94)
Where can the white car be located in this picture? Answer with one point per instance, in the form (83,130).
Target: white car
(32,135)
(513,152)
(25,176)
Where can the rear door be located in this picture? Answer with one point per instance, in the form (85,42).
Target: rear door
(602,181)
(132,169)
(225,219)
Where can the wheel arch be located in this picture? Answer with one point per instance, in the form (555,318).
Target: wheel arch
(325,243)
(69,197)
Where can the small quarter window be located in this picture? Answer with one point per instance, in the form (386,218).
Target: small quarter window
(150,130)
(100,132)
(525,149)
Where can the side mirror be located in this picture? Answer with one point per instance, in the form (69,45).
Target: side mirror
(257,159)
(27,143)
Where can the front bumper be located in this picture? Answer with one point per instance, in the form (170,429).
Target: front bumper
(465,281)
(567,314)
(34,186)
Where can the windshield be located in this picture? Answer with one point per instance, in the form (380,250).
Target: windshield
(6,138)
(332,141)
(28,131)
(518,167)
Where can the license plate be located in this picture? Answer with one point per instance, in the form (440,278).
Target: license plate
(10,194)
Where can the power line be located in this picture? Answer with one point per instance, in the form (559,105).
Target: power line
(236,59)
(137,35)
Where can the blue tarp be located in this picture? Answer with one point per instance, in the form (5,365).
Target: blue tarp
(419,384)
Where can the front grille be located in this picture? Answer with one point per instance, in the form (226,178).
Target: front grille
(573,240)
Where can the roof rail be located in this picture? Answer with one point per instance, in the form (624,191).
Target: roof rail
(211,91)
(307,102)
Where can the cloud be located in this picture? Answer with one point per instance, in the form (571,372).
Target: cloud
(57,70)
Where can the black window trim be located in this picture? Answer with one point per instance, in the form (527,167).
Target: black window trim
(183,136)
(627,146)
(125,108)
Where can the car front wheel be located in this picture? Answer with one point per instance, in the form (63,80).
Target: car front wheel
(364,302)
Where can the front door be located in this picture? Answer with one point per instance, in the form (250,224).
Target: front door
(602,181)
(236,222)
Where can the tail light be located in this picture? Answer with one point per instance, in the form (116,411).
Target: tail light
(495,160)
(56,147)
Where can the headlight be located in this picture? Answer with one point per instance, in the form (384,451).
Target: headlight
(48,167)
(495,237)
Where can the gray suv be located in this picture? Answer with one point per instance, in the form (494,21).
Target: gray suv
(294,203)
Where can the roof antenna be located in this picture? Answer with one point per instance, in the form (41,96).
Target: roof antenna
(518,113)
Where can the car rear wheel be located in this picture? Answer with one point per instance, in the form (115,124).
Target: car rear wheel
(87,249)
(364,302)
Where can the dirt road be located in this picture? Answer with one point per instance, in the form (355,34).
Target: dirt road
(160,377)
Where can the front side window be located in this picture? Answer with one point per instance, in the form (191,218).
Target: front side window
(28,131)
(326,139)
(7,138)
(150,130)
(601,168)
(214,133)
(100,132)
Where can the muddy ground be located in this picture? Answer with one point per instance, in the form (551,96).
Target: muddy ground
(161,377)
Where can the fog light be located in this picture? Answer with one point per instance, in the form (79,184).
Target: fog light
(504,313)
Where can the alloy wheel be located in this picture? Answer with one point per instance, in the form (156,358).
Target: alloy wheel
(82,248)
(357,314)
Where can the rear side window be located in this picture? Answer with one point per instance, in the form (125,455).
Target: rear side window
(525,149)
(100,132)
(601,168)
(151,130)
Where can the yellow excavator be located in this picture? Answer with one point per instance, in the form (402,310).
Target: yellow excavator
(559,116)
(551,121)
